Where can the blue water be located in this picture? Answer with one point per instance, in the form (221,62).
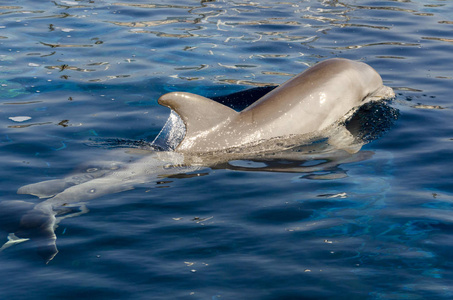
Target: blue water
(80,71)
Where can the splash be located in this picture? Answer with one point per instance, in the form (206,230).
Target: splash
(171,134)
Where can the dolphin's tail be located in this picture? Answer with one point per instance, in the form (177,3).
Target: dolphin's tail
(39,225)
(13,240)
(24,221)
(11,213)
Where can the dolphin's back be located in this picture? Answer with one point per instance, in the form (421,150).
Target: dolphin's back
(316,96)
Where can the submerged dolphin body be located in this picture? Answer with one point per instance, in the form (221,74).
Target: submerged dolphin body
(310,105)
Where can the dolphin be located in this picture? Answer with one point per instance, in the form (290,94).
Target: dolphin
(276,132)
(309,102)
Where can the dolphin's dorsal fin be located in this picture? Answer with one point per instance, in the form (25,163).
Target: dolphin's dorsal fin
(198,113)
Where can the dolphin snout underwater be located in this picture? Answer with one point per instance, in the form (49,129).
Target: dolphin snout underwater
(308,106)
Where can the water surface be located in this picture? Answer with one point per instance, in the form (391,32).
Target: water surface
(79,71)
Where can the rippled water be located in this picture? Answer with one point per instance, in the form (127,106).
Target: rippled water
(73,72)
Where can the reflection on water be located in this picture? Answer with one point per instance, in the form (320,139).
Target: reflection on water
(111,30)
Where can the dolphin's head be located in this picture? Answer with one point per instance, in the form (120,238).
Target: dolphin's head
(371,82)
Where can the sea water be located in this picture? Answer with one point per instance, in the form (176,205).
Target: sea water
(76,72)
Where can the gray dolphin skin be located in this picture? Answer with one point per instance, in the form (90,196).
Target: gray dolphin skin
(280,126)
(309,102)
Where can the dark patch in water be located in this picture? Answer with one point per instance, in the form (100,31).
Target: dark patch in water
(242,99)
(280,215)
(372,121)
